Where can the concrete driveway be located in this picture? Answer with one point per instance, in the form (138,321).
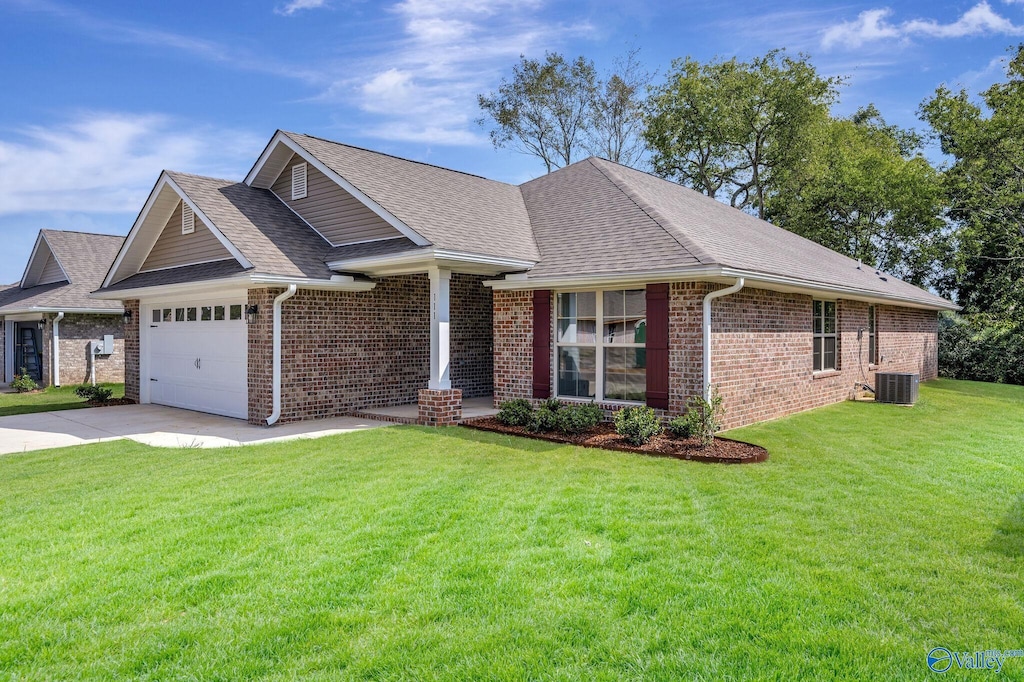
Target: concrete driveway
(156,425)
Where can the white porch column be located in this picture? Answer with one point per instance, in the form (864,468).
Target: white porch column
(440,281)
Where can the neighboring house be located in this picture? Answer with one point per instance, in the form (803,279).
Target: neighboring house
(48,321)
(335,279)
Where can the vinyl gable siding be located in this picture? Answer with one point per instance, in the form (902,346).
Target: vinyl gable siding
(333,212)
(173,249)
(51,272)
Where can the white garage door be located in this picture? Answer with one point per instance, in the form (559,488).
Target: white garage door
(197,357)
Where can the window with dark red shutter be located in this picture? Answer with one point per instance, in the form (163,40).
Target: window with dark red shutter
(541,344)
(657,346)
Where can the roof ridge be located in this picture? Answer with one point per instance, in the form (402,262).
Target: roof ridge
(201,177)
(399,158)
(90,234)
(660,220)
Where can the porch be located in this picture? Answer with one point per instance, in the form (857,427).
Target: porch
(482,406)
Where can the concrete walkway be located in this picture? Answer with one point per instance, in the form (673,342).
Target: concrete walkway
(156,425)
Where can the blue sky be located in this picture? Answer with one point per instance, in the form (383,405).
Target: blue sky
(100,96)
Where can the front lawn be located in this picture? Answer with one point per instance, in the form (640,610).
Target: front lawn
(873,534)
(48,400)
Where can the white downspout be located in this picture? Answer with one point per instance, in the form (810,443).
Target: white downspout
(56,349)
(707,330)
(276,383)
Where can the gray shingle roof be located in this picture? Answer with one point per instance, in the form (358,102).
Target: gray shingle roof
(259,225)
(85,258)
(726,236)
(451,210)
(386,247)
(183,275)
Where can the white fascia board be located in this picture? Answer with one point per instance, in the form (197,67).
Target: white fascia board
(243,280)
(715,272)
(232,249)
(63,309)
(136,226)
(428,257)
(387,216)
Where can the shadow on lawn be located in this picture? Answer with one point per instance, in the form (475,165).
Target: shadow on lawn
(1009,536)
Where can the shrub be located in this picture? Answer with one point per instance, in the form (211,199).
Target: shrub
(94,394)
(680,426)
(23,383)
(518,412)
(575,419)
(704,417)
(981,347)
(637,424)
(545,417)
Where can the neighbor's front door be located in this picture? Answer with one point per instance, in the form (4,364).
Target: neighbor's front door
(28,351)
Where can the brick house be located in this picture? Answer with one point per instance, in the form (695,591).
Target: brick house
(49,325)
(334,279)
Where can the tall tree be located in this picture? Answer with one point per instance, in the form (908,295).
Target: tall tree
(544,110)
(730,127)
(617,116)
(984,185)
(866,190)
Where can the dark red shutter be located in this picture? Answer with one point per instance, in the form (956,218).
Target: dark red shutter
(657,346)
(541,344)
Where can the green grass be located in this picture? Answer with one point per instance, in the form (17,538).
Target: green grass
(873,534)
(48,400)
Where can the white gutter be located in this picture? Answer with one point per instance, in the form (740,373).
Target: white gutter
(56,348)
(707,330)
(276,385)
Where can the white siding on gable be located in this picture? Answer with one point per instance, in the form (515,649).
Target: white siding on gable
(173,248)
(336,214)
(51,271)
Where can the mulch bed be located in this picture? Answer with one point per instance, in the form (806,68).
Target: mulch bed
(722,451)
(112,401)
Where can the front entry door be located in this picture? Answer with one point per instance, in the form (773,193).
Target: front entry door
(28,351)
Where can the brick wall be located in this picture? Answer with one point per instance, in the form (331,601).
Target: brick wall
(344,351)
(472,334)
(513,345)
(761,345)
(131,351)
(76,331)
(3,351)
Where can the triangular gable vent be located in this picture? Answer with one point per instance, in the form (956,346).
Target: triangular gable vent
(188,219)
(299,181)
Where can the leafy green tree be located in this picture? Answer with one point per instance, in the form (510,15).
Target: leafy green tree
(984,184)
(544,110)
(866,190)
(729,129)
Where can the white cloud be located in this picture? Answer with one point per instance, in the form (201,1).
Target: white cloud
(108,162)
(873,26)
(422,86)
(299,5)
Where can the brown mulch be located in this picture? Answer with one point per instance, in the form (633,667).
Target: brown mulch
(112,401)
(722,451)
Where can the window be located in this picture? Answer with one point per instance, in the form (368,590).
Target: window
(299,181)
(167,314)
(179,314)
(206,313)
(236,312)
(825,354)
(191,314)
(188,219)
(872,335)
(600,344)
(218,312)
(156,315)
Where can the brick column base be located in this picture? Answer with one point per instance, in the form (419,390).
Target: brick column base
(440,407)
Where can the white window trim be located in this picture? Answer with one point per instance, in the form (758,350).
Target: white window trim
(873,353)
(823,335)
(599,345)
